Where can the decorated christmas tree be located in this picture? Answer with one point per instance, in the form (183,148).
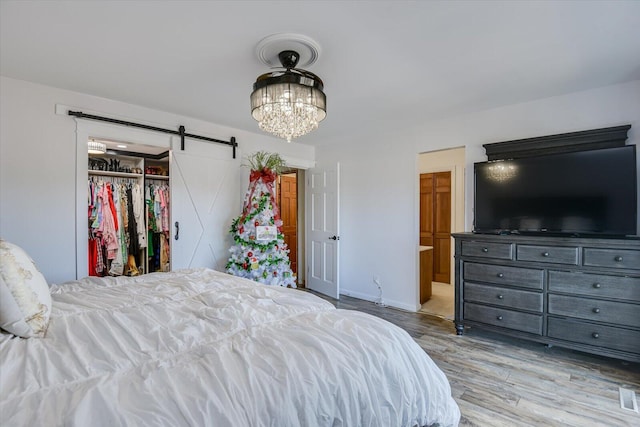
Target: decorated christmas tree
(259,252)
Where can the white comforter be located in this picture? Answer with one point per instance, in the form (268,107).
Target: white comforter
(202,348)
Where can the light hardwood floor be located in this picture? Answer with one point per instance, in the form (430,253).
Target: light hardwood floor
(500,381)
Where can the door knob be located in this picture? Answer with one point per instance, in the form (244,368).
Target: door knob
(334,238)
(177,230)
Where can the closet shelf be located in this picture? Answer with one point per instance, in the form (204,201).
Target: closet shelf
(114,174)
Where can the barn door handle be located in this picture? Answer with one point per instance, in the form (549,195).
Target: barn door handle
(334,238)
(177,230)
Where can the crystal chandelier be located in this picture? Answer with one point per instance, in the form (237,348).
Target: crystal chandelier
(289,102)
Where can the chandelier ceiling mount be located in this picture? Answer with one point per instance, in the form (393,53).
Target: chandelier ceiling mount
(269,48)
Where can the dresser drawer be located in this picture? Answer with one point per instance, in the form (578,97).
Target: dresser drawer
(614,258)
(487,250)
(514,276)
(620,313)
(597,285)
(505,297)
(549,254)
(525,322)
(593,334)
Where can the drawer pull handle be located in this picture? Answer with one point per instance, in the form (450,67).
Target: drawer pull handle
(545,254)
(618,258)
(596,285)
(500,297)
(595,335)
(501,275)
(499,317)
(485,250)
(596,310)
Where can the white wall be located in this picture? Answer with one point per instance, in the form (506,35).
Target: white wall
(38,165)
(379,194)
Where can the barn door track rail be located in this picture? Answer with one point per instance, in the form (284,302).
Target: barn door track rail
(180,132)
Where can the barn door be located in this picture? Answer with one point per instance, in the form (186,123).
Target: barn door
(200,201)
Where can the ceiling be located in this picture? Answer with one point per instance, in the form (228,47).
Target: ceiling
(385,64)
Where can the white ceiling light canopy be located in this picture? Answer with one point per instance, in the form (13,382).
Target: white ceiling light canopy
(288,102)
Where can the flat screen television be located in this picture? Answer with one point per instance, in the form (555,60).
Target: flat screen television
(586,193)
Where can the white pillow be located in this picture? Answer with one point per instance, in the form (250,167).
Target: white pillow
(25,300)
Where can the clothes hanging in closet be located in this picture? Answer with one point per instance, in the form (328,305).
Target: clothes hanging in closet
(157,201)
(115,242)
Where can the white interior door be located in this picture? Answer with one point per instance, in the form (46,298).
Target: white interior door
(200,200)
(323,229)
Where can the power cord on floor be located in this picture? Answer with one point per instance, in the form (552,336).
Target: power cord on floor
(379,302)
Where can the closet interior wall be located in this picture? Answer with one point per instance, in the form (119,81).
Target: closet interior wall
(128,214)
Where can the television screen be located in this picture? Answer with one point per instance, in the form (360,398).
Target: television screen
(583,193)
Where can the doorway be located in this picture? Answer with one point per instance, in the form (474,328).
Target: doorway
(134,177)
(441,201)
(290,200)
(85,131)
(435,222)
(288,203)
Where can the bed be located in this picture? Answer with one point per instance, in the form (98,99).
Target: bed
(203,348)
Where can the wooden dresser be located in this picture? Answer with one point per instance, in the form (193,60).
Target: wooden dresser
(579,293)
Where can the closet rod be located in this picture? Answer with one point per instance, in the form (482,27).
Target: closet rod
(180,131)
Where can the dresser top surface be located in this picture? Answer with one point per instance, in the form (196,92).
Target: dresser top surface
(624,242)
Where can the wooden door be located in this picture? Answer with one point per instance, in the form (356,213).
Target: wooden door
(435,221)
(288,205)
(442,227)
(426,209)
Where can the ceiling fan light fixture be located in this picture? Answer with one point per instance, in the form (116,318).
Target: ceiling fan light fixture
(288,102)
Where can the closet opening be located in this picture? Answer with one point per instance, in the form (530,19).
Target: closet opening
(128,209)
